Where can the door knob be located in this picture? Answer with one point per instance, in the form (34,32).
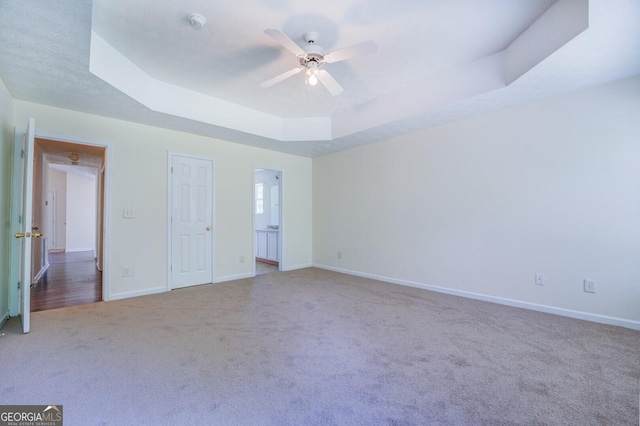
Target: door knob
(208,228)
(19,235)
(36,235)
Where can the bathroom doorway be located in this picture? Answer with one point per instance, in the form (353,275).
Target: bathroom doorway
(267,215)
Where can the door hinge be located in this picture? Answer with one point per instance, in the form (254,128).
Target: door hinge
(18,285)
(22,153)
(171,169)
(20,219)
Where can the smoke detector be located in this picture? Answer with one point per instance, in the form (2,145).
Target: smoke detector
(196,20)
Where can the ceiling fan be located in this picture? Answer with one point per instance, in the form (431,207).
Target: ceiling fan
(313,57)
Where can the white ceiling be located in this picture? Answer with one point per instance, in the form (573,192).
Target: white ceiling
(437,61)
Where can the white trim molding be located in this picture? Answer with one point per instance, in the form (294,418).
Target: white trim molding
(302,266)
(587,316)
(147,292)
(234,277)
(4,319)
(40,273)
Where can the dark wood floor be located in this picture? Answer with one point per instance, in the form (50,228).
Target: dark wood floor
(72,279)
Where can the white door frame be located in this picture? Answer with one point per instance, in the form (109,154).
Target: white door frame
(280,213)
(106,207)
(170,156)
(51,198)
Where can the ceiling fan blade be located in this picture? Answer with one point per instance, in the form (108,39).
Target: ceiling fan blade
(280,77)
(363,48)
(330,83)
(284,40)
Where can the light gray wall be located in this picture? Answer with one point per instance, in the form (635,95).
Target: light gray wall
(6,143)
(479,206)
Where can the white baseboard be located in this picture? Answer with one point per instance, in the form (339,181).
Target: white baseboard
(4,318)
(294,267)
(40,273)
(130,294)
(602,319)
(80,249)
(233,277)
(250,275)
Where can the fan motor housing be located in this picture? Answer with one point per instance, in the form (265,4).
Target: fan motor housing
(310,37)
(312,53)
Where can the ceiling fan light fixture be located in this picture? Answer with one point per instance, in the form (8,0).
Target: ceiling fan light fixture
(311,57)
(312,73)
(74,157)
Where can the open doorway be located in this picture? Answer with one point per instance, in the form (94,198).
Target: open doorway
(68,210)
(267,220)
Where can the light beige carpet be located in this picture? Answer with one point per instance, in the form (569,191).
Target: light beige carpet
(313,347)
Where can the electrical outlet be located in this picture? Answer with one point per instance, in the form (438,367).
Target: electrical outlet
(241,259)
(339,255)
(589,286)
(539,279)
(126,271)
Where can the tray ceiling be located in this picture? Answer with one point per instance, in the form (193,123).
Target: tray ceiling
(437,61)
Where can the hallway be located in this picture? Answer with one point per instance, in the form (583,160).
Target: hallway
(72,279)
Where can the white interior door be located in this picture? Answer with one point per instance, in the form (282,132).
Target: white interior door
(21,216)
(191,221)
